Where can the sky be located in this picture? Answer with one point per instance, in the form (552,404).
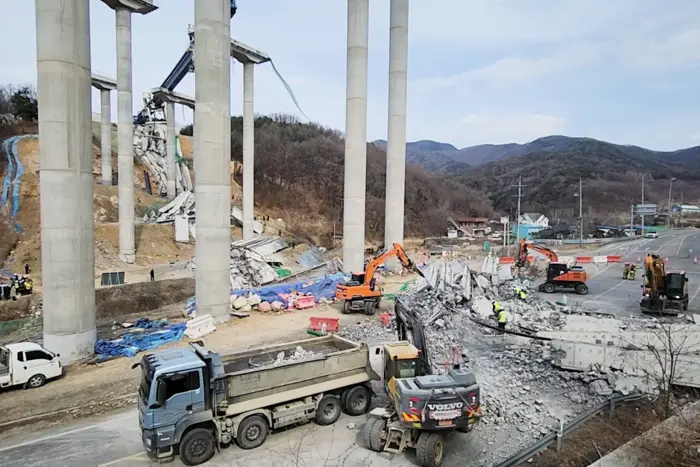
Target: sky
(480,71)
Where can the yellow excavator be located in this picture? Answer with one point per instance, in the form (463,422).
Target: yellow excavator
(663,291)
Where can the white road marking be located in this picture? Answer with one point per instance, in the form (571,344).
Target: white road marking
(138,455)
(610,289)
(694,295)
(65,433)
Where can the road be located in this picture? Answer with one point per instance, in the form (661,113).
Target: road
(116,441)
(608,293)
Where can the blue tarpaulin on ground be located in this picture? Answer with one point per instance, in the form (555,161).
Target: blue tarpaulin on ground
(323,287)
(150,335)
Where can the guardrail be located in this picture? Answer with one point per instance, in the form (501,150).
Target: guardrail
(557,436)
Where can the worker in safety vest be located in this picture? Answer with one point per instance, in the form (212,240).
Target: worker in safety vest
(521,294)
(502,318)
(496,307)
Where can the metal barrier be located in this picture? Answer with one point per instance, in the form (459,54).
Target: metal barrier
(557,436)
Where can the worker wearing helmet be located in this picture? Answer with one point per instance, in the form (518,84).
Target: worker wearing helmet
(497,307)
(521,294)
(502,318)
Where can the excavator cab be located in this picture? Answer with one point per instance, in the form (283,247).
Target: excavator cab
(663,290)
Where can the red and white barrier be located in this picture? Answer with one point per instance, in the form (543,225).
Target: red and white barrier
(574,259)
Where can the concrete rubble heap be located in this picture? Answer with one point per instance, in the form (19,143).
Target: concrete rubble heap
(149,147)
(183,204)
(524,394)
(248,269)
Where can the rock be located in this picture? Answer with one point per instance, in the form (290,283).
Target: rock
(276,305)
(245,308)
(253,300)
(264,307)
(232,299)
(600,387)
(351,426)
(239,303)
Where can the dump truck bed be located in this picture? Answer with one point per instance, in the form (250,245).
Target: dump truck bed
(272,375)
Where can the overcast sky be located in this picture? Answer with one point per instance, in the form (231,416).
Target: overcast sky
(480,71)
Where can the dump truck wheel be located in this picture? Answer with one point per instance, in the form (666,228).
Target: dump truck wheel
(581,289)
(430,450)
(548,287)
(372,434)
(346,307)
(357,401)
(252,432)
(197,446)
(328,410)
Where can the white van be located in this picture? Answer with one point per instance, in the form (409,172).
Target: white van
(29,364)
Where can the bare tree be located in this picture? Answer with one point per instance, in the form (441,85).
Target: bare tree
(667,355)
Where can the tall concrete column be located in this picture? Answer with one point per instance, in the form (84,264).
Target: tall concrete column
(170,148)
(248,151)
(106,136)
(212,156)
(396,139)
(65,162)
(125,137)
(355,136)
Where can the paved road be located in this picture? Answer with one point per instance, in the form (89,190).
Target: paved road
(608,293)
(115,441)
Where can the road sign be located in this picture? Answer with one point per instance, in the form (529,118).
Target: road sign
(504,220)
(645,209)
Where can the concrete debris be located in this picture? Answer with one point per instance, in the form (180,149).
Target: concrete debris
(149,148)
(525,395)
(298,355)
(248,270)
(447,277)
(600,387)
(184,204)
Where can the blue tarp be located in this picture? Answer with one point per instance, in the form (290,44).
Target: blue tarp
(153,335)
(319,288)
(13,176)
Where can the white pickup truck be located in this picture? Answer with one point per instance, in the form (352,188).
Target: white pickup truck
(29,364)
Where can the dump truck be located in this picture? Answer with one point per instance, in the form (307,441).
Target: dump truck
(192,400)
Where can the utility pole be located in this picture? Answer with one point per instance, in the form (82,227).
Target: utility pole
(681,213)
(632,233)
(580,211)
(641,214)
(520,195)
(670,188)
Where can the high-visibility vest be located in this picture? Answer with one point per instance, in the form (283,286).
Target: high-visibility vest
(523,294)
(502,316)
(497,306)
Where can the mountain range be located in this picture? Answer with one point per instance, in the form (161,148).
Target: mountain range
(443,157)
(550,169)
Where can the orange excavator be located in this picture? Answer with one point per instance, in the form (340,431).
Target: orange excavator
(559,274)
(361,292)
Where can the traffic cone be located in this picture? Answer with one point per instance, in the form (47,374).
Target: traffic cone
(666,259)
(639,260)
(695,260)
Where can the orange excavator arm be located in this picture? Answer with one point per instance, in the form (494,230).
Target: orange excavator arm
(395,250)
(525,247)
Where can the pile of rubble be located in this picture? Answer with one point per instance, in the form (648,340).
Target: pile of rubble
(524,394)
(149,147)
(248,269)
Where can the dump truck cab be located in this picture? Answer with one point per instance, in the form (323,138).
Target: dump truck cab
(174,391)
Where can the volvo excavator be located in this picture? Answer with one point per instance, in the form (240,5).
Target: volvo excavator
(361,292)
(423,406)
(663,291)
(559,274)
